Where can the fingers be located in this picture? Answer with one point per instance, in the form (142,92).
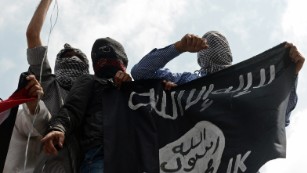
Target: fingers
(127,78)
(118,78)
(201,44)
(193,43)
(48,144)
(296,57)
(35,91)
(51,140)
(168,85)
(293,53)
(189,39)
(288,45)
(61,141)
(49,148)
(34,88)
(121,77)
(31,81)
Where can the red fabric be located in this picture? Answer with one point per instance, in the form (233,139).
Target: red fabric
(15,99)
(109,62)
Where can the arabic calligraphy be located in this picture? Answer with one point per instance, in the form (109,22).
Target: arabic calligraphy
(199,150)
(182,100)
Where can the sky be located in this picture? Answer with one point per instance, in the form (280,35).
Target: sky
(251,27)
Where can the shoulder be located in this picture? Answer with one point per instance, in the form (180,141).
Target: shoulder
(85,78)
(83,81)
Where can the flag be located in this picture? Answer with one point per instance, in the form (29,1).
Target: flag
(8,112)
(231,121)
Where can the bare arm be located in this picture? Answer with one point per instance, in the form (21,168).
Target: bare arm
(36,24)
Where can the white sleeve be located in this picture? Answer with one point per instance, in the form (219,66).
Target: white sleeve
(24,120)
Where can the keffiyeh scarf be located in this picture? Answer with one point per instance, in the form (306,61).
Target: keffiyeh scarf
(218,56)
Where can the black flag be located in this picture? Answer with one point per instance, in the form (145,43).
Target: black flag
(229,122)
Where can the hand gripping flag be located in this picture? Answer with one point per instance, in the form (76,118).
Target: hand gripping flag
(8,112)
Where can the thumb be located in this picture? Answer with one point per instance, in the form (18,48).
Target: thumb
(45,138)
(61,141)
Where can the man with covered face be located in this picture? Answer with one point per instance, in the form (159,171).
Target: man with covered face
(213,54)
(83,111)
(70,63)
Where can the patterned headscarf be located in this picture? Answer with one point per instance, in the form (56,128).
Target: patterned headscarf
(108,57)
(69,65)
(217,56)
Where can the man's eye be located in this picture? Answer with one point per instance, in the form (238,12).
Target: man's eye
(75,58)
(105,49)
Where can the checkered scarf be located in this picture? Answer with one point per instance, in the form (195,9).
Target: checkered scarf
(68,69)
(218,56)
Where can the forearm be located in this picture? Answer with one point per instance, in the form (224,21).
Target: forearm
(36,23)
(33,106)
(179,47)
(149,65)
(69,117)
(61,122)
(72,112)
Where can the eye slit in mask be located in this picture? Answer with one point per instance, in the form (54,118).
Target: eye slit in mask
(73,55)
(105,49)
(76,58)
(69,59)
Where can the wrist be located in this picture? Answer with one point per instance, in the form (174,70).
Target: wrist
(179,47)
(32,106)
